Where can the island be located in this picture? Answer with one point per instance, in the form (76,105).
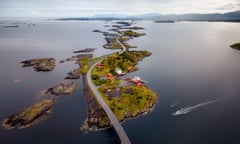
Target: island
(29,116)
(86,50)
(126,97)
(135,28)
(40,64)
(235,46)
(64,88)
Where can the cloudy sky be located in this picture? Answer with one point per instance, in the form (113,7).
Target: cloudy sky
(76,8)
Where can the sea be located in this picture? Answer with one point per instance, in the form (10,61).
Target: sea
(192,68)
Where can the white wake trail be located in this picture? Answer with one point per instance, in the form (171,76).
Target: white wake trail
(189,109)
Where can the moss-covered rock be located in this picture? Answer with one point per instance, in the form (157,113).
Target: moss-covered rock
(61,89)
(86,50)
(132,33)
(29,116)
(41,64)
(74,74)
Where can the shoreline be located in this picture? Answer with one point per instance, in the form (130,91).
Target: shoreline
(92,123)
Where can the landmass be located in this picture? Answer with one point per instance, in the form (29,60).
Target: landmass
(135,28)
(86,50)
(29,116)
(41,64)
(74,74)
(127,97)
(61,89)
(11,26)
(164,21)
(235,46)
(96,116)
(38,112)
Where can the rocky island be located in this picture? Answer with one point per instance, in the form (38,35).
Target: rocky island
(61,89)
(41,64)
(29,116)
(235,46)
(86,50)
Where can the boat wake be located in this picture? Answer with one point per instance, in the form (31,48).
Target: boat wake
(189,109)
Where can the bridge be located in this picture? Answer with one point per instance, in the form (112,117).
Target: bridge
(114,121)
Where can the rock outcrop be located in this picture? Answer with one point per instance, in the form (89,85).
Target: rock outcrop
(41,64)
(86,50)
(29,116)
(61,89)
(75,74)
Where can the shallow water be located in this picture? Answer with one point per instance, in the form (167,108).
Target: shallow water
(191,64)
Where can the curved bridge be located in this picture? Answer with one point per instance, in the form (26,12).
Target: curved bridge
(119,129)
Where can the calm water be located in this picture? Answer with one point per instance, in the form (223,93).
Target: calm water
(191,64)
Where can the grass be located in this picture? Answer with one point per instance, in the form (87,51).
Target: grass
(123,61)
(84,64)
(133,99)
(139,100)
(36,109)
(131,33)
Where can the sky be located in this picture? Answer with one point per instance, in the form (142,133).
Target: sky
(84,8)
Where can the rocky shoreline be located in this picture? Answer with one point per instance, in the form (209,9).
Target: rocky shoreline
(41,110)
(95,113)
(30,116)
(96,117)
(63,88)
(41,64)
(86,50)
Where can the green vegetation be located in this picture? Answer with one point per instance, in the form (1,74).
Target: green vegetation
(41,64)
(124,38)
(235,46)
(29,116)
(94,60)
(36,109)
(127,98)
(84,64)
(123,61)
(115,45)
(61,61)
(131,33)
(133,100)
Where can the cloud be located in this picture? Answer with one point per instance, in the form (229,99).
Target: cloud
(128,7)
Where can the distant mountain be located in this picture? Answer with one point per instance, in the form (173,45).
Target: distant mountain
(110,16)
(230,16)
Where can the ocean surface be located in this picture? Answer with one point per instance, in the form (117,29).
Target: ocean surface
(192,68)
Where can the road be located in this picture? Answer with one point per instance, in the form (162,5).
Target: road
(122,45)
(119,129)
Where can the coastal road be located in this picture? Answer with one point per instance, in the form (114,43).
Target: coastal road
(119,129)
(122,45)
